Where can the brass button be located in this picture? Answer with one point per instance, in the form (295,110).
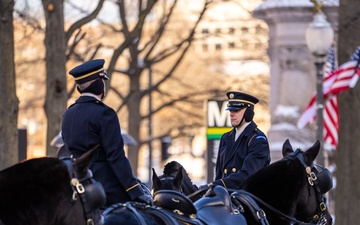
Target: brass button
(234,170)
(225,170)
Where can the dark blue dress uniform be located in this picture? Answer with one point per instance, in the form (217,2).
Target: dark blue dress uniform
(90,122)
(239,159)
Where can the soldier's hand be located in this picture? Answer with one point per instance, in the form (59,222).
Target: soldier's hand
(205,187)
(147,199)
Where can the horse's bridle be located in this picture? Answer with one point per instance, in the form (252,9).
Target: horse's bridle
(80,187)
(313,181)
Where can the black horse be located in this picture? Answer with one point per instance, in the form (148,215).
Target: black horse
(173,207)
(175,178)
(289,191)
(50,191)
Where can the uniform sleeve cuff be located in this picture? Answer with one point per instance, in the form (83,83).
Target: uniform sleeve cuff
(220,182)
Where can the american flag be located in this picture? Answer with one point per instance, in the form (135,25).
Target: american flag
(347,74)
(345,77)
(331,113)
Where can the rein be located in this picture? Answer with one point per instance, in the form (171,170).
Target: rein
(273,209)
(76,183)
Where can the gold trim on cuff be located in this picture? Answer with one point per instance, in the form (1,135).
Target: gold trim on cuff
(132,187)
(223,183)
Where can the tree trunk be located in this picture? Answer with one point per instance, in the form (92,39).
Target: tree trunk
(135,118)
(347,197)
(56,92)
(9,102)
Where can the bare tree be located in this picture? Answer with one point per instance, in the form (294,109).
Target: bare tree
(348,153)
(151,41)
(56,44)
(56,91)
(145,60)
(8,100)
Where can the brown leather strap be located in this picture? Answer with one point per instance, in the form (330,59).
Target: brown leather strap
(251,139)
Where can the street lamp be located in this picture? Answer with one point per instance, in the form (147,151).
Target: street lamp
(319,37)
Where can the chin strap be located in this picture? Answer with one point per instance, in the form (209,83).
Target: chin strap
(238,126)
(96,88)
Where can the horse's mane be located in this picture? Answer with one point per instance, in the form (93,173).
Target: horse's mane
(171,169)
(39,169)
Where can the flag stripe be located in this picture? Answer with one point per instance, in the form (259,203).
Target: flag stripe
(346,74)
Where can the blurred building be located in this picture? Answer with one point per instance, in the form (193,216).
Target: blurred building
(292,75)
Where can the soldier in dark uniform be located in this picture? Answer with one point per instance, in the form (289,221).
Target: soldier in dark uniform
(88,123)
(243,150)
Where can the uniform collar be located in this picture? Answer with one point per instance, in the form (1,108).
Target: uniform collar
(90,95)
(242,128)
(248,129)
(239,131)
(88,98)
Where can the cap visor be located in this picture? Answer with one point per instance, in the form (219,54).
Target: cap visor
(234,108)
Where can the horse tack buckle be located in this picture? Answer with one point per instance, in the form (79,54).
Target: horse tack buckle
(322,206)
(312,176)
(90,222)
(311,182)
(79,187)
(260,214)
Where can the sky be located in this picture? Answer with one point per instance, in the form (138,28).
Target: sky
(73,9)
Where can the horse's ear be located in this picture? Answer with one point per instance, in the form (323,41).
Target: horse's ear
(82,162)
(287,148)
(312,152)
(179,178)
(156,181)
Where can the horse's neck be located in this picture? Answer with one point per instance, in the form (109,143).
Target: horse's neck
(276,190)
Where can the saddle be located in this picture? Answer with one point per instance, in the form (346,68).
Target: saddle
(139,210)
(242,197)
(175,201)
(173,204)
(216,208)
(174,208)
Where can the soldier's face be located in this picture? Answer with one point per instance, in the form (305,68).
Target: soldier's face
(236,116)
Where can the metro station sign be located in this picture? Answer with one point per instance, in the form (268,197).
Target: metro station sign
(218,120)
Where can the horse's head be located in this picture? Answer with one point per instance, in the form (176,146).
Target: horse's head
(175,178)
(292,187)
(165,182)
(86,190)
(311,204)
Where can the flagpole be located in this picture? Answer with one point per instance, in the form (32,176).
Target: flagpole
(319,63)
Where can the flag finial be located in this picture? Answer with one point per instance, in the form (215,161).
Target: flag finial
(318,4)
